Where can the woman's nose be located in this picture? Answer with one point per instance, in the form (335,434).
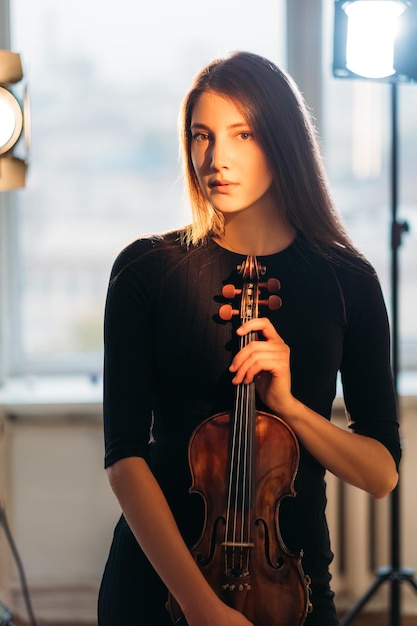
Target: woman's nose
(218,156)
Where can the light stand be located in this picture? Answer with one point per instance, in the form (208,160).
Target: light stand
(405,70)
(393,574)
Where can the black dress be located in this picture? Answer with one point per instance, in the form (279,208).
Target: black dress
(167,354)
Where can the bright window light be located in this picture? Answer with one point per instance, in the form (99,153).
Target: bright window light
(372,27)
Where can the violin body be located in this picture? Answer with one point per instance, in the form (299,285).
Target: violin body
(243,463)
(275,591)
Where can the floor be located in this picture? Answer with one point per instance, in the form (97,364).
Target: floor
(363,619)
(378,619)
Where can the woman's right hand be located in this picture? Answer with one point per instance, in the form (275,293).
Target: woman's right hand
(150,519)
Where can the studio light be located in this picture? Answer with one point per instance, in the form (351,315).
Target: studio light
(375,39)
(14,122)
(372,28)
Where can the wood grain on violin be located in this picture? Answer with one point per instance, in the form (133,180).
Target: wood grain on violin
(243,463)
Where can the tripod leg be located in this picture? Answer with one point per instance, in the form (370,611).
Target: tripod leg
(404,574)
(407,574)
(348,617)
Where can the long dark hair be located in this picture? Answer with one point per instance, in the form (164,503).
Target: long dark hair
(275,109)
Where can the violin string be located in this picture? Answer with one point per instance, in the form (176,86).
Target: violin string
(242,473)
(251,470)
(250,416)
(246,471)
(240,488)
(228,538)
(237,477)
(235,472)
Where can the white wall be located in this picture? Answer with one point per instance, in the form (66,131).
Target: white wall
(60,509)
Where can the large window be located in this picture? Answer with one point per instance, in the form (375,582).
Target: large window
(106,81)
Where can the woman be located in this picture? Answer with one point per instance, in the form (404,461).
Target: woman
(257,187)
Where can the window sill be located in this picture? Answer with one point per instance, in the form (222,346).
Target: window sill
(51,396)
(79,395)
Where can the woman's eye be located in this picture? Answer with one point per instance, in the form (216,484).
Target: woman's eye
(246,135)
(200,136)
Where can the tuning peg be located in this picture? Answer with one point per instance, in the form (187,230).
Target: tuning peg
(229,291)
(272,285)
(273,303)
(226,312)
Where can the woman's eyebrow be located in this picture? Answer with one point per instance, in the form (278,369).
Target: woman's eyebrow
(231,126)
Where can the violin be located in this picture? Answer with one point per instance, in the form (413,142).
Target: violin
(243,463)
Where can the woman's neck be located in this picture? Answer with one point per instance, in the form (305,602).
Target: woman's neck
(258,237)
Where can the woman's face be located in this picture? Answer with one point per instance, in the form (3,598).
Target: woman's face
(229,163)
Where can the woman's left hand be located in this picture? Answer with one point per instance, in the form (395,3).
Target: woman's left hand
(267,363)
(356,459)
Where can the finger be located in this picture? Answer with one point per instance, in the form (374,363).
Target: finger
(259,349)
(253,360)
(259,324)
